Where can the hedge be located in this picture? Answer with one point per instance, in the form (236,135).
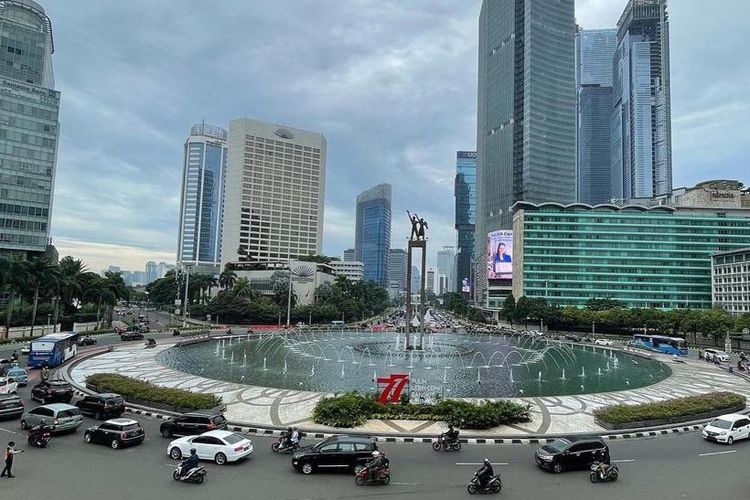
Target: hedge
(663,410)
(146,391)
(352,409)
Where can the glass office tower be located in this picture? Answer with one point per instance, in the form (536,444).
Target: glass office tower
(372,242)
(466,206)
(29,127)
(641,122)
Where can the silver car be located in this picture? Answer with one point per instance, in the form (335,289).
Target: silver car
(59,417)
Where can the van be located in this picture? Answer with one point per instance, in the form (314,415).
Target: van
(338,323)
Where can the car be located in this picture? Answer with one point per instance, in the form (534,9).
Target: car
(727,428)
(26,349)
(87,340)
(52,391)
(59,417)
(11,406)
(336,452)
(8,385)
(18,374)
(134,335)
(571,453)
(143,328)
(104,405)
(219,446)
(605,342)
(192,424)
(572,337)
(715,354)
(117,433)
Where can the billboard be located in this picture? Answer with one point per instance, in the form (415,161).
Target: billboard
(465,285)
(500,255)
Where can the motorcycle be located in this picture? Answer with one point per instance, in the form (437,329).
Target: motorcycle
(443,443)
(39,439)
(194,475)
(494,485)
(382,476)
(599,473)
(284,446)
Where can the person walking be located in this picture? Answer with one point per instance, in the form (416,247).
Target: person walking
(10,451)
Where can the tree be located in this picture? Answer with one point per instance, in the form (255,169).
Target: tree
(165,290)
(509,306)
(105,292)
(14,279)
(227,279)
(242,288)
(321,259)
(603,304)
(41,274)
(280,287)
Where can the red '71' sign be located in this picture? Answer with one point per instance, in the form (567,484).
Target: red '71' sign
(394,385)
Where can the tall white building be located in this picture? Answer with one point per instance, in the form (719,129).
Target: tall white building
(275,192)
(354,270)
(446,266)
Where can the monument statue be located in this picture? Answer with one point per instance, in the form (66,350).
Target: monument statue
(418,225)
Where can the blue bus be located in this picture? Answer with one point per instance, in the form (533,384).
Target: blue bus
(53,350)
(661,343)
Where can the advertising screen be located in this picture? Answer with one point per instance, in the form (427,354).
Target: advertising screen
(465,285)
(499,255)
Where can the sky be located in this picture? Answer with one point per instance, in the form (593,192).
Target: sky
(390,83)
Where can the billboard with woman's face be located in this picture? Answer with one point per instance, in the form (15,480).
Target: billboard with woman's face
(499,255)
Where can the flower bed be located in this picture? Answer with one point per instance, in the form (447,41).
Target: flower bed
(353,409)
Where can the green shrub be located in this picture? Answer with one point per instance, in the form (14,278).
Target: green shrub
(353,409)
(680,407)
(146,391)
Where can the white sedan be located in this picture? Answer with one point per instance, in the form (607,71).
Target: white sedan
(604,342)
(218,446)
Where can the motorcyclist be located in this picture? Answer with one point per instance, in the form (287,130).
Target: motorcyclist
(189,463)
(294,437)
(485,473)
(45,372)
(601,458)
(374,465)
(286,438)
(451,435)
(38,431)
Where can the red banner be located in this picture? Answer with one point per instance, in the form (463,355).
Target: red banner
(392,387)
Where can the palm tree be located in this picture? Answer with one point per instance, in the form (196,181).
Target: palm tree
(227,279)
(41,273)
(15,278)
(243,288)
(105,292)
(74,277)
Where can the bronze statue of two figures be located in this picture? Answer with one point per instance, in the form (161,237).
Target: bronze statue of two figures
(418,225)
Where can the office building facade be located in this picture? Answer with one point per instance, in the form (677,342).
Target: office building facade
(594,52)
(274,192)
(350,255)
(29,128)
(353,270)
(643,257)
(641,119)
(446,268)
(465,192)
(202,199)
(731,280)
(372,240)
(397,267)
(430,281)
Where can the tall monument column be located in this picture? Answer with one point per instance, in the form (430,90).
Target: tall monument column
(417,239)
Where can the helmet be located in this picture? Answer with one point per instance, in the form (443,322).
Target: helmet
(376,453)
(450,426)
(193,450)
(289,429)
(486,461)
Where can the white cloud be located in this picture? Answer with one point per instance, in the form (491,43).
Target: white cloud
(99,256)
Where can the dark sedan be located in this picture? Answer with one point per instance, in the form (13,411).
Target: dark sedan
(131,336)
(337,452)
(105,405)
(11,406)
(87,340)
(52,391)
(571,453)
(116,433)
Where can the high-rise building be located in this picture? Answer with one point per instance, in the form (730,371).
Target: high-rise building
(151,271)
(29,127)
(351,269)
(204,169)
(446,267)
(465,192)
(275,192)
(372,241)
(416,279)
(526,109)
(594,52)
(430,281)
(397,266)
(350,255)
(641,119)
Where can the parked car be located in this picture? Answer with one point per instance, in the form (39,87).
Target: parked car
(572,337)
(26,349)
(52,391)
(571,453)
(715,354)
(219,446)
(134,335)
(116,433)
(8,385)
(87,340)
(192,424)
(727,428)
(18,374)
(11,406)
(336,452)
(104,405)
(606,342)
(59,417)
(143,328)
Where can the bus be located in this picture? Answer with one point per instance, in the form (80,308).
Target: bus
(661,343)
(53,350)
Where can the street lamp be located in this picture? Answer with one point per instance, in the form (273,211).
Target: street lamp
(187,288)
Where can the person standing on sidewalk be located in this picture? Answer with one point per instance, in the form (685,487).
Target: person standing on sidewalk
(10,451)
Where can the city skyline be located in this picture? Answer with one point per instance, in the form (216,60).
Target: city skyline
(119,140)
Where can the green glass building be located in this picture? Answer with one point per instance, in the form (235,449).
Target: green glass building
(644,257)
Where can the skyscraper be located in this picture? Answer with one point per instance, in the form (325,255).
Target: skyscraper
(416,279)
(594,52)
(204,169)
(275,192)
(151,271)
(430,281)
(526,109)
(465,192)
(372,240)
(29,127)
(446,267)
(350,255)
(397,265)
(641,121)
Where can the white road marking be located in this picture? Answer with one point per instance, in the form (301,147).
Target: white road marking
(622,461)
(481,463)
(407,484)
(717,453)
(6,430)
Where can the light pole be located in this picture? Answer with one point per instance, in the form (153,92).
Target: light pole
(289,296)
(187,288)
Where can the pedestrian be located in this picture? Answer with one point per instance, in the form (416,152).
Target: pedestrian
(14,356)
(10,450)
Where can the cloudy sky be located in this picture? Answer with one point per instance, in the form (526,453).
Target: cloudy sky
(390,83)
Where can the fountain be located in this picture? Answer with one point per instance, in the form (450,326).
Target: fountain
(583,372)
(539,377)
(563,375)
(285,370)
(265,368)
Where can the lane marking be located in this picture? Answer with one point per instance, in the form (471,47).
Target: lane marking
(717,453)
(6,430)
(622,461)
(407,484)
(481,463)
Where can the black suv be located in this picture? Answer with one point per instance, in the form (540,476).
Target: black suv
(11,406)
(52,391)
(336,452)
(571,453)
(572,337)
(134,335)
(103,405)
(192,424)
(87,340)
(116,433)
